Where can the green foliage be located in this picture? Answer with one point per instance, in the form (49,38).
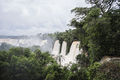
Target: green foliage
(98,29)
(22,64)
(91,71)
(77,73)
(69,36)
(108,71)
(55,72)
(83,60)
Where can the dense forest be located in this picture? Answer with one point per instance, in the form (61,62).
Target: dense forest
(96,27)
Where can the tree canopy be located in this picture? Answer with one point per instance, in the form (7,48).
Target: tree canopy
(98,28)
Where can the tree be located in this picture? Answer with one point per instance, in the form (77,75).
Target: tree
(108,71)
(55,72)
(98,28)
(22,64)
(83,60)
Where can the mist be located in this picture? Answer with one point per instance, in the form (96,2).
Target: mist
(44,42)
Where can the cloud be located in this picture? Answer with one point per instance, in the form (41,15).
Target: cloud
(27,17)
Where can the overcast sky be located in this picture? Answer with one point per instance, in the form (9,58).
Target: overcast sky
(28,17)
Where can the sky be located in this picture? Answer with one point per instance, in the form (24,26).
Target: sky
(29,17)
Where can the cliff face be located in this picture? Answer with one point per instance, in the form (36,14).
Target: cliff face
(106,59)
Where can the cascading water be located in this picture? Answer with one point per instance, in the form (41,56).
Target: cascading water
(64,48)
(63,52)
(56,48)
(74,51)
(71,56)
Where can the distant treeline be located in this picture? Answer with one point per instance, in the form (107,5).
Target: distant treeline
(40,35)
(12,37)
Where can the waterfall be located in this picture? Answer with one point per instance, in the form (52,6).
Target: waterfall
(64,48)
(63,52)
(56,48)
(74,51)
(71,56)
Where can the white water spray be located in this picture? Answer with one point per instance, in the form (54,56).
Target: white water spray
(71,56)
(56,48)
